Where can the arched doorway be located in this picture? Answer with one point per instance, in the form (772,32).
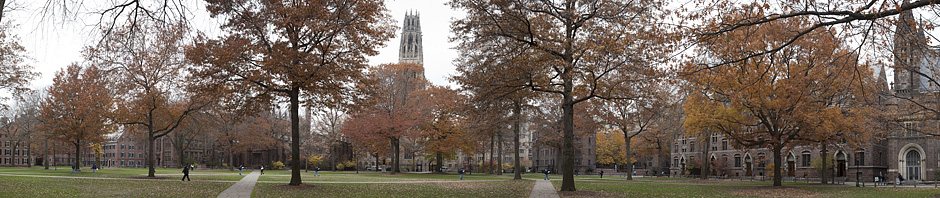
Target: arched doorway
(912,164)
(840,164)
(791,165)
(682,165)
(747,166)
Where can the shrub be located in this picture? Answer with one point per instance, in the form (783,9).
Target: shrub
(350,165)
(277,165)
(224,165)
(340,166)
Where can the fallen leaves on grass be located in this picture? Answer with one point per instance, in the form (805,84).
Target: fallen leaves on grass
(774,192)
(586,193)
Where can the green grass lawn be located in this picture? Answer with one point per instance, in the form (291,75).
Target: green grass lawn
(17,186)
(449,189)
(364,176)
(673,187)
(170,173)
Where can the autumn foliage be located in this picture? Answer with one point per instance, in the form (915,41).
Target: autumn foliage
(811,90)
(78,107)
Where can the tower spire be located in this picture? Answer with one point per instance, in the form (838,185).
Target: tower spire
(411,50)
(910,44)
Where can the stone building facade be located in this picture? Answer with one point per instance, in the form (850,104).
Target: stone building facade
(905,144)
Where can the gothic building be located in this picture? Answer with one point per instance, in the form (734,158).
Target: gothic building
(904,147)
(411,50)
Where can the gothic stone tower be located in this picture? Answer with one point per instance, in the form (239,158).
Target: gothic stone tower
(411,49)
(909,50)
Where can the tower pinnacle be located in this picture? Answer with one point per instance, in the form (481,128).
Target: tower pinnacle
(411,48)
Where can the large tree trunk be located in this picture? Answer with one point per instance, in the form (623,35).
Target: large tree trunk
(181,154)
(295,136)
(517,167)
(492,154)
(396,152)
(629,155)
(231,157)
(706,160)
(824,169)
(567,122)
(150,154)
(778,159)
(15,145)
(499,153)
(78,155)
(45,161)
(440,160)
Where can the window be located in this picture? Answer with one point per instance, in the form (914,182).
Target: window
(122,146)
(131,147)
(760,160)
(806,159)
(909,128)
(675,162)
(139,155)
(122,154)
(692,147)
(737,160)
(860,158)
(724,145)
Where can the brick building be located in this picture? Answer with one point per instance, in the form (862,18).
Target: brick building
(904,146)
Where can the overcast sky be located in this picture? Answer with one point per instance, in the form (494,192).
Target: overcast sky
(54,45)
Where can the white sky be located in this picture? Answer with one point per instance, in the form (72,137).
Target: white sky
(55,45)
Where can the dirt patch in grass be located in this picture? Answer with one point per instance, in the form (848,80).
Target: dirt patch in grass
(297,187)
(586,193)
(774,192)
(153,178)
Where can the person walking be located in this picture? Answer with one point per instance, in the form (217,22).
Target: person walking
(900,179)
(461,173)
(94,168)
(316,171)
(262,170)
(602,174)
(546,173)
(73,169)
(240,167)
(185,174)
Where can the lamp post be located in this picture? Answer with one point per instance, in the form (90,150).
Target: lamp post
(858,174)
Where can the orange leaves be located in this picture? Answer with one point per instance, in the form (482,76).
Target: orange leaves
(803,93)
(78,107)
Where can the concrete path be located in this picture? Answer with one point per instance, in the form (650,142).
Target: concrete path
(243,187)
(543,189)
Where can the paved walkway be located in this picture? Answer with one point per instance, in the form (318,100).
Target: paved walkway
(243,187)
(543,189)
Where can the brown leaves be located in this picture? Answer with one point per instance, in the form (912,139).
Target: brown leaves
(78,107)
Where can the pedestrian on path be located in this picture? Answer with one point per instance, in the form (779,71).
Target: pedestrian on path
(240,167)
(316,171)
(546,173)
(602,174)
(94,168)
(262,170)
(73,169)
(185,174)
(461,173)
